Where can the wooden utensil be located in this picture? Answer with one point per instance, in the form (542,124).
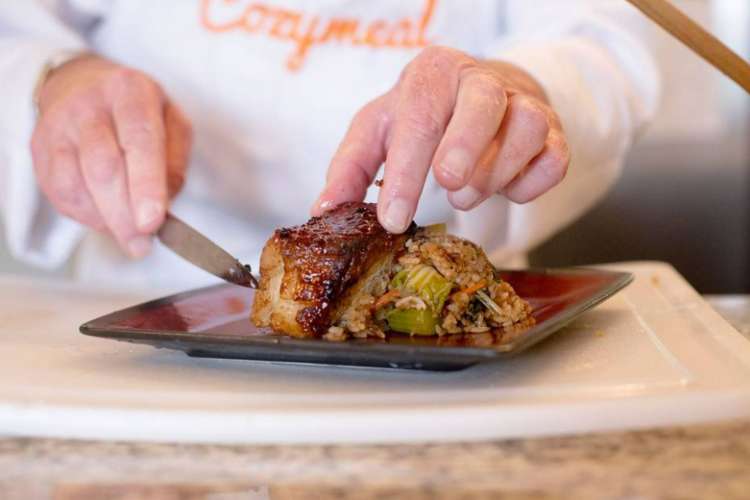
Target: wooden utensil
(710,48)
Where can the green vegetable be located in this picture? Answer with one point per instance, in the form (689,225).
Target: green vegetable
(412,321)
(398,281)
(430,286)
(426,282)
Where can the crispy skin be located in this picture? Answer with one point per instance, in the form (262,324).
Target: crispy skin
(309,274)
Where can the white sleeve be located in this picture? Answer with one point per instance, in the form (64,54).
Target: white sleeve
(31,34)
(603,83)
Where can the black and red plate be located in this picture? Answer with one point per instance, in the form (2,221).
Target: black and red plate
(214,322)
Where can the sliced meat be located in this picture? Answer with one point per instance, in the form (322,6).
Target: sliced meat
(311,274)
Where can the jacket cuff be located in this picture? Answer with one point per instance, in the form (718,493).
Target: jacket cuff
(35,233)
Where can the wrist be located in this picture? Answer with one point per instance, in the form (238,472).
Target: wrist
(52,66)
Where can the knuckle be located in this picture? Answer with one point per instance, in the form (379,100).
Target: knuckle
(175,181)
(68,197)
(147,183)
(84,116)
(102,172)
(103,164)
(539,124)
(366,113)
(138,105)
(57,178)
(435,62)
(534,120)
(141,134)
(554,121)
(409,179)
(484,82)
(441,59)
(418,86)
(68,203)
(66,193)
(487,95)
(557,161)
(424,125)
(128,80)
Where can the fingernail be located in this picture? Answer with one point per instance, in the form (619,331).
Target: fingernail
(139,246)
(320,207)
(456,164)
(325,205)
(315,208)
(148,212)
(466,197)
(397,216)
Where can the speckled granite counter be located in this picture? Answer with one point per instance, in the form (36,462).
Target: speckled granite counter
(699,462)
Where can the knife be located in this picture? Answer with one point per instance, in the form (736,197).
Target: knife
(204,253)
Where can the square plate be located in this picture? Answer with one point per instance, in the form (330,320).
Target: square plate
(214,322)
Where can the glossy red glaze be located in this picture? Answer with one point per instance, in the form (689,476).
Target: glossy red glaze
(327,255)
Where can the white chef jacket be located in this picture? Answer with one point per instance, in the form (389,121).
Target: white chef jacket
(270,87)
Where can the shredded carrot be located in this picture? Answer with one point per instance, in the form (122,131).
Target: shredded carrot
(472,288)
(386,299)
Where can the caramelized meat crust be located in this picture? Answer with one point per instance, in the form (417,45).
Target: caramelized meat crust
(310,273)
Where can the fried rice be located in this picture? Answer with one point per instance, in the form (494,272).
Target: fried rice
(440,285)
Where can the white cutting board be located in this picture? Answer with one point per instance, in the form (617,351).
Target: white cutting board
(656,354)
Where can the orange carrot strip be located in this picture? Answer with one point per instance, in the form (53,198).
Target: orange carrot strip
(472,288)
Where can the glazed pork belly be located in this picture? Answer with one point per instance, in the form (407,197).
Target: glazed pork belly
(312,275)
(342,275)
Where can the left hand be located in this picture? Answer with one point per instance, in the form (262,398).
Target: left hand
(484,128)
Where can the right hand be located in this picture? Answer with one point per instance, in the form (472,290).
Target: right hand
(110,149)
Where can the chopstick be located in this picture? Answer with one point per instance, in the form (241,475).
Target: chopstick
(669,17)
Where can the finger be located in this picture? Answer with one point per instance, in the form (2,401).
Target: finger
(59,177)
(179,144)
(425,102)
(543,173)
(138,114)
(358,158)
(103,168)
(480,106)
(520,139)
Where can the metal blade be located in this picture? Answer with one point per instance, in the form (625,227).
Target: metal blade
(204,253)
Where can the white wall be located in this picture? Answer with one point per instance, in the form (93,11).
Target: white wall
(702,113)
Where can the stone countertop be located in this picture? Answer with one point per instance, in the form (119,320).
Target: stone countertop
(690,462)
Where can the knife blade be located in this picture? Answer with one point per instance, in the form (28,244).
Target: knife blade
(200,251)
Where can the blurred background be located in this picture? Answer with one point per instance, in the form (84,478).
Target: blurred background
(685,194)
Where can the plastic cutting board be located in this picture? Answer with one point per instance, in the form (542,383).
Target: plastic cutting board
(654,355)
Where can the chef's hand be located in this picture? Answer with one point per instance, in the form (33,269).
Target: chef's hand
(110,149)
(483,127)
